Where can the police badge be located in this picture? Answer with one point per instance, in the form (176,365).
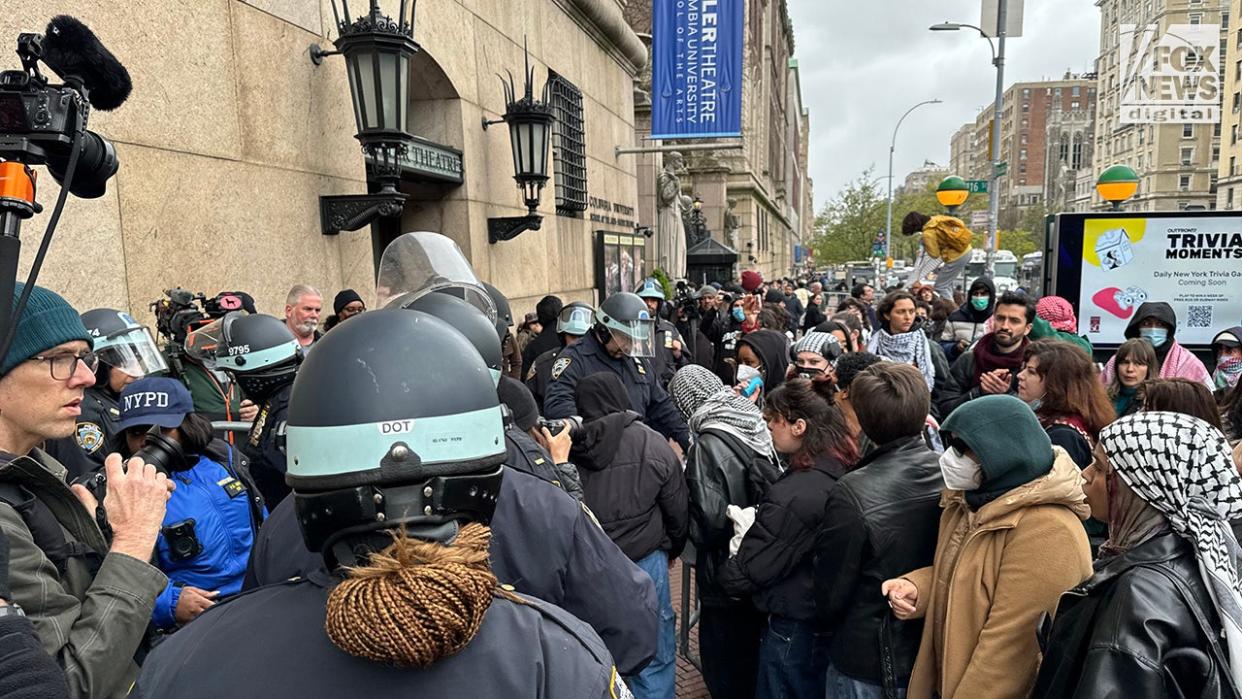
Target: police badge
(90,437)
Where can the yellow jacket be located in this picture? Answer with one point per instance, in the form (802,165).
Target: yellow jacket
(946,237)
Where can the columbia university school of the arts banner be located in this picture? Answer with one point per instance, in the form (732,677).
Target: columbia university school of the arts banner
(696,86)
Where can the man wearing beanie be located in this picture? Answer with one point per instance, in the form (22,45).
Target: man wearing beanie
(90,599)
(546,311)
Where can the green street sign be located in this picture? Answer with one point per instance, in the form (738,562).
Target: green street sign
(1001,168)
(977,186)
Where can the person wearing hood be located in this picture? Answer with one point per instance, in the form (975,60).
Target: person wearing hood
(775,560)
(731,464)
(1011,541)
(968,323)
(898,340)
(945,240)
(546,312)
(992,366)
(633,482)
(1162,615)
(1156,322)
(1227,348)
(766,352)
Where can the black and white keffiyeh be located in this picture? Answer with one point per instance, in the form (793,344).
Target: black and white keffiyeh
(1182,466)
(905,348)
(706,403)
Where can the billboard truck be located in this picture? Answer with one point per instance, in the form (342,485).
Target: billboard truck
(1108,264)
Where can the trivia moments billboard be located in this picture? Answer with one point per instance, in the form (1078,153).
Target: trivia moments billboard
(696,69)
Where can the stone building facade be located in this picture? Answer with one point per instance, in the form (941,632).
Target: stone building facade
(232,134)
(768,177)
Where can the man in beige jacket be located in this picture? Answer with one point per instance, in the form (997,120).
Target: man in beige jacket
(90,599)
(1011,541)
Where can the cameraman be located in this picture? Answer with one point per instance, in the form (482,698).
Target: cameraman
(208,529)
(90,602)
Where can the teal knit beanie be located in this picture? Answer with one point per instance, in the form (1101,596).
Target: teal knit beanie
(1004,433)
(48,321)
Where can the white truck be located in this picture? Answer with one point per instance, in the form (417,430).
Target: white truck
(1005,264)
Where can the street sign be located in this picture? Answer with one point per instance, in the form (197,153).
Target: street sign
(977,186)
(1001,168)
(979,219)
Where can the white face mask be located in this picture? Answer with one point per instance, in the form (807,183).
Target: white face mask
(746,372)
(960,471)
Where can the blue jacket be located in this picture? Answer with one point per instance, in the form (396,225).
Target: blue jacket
(217,503)
(647,398)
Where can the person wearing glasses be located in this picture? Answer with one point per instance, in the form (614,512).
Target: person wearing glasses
(126,353)
(90,599)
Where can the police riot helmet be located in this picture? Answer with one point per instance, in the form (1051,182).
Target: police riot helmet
(575,319)
(625,318)
(651,289)
(259,350)
(469,322)
(394,422)
(420,263)
(504,315)
(122,343)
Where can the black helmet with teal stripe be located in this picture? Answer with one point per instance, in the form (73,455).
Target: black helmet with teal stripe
(394,422)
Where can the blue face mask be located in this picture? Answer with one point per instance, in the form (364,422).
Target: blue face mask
(979,303)
(1156,336)
(739,315)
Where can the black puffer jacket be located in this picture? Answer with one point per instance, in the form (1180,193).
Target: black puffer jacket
(881,521)
(720,471)
(775,561)
(1143,626)
(631,479)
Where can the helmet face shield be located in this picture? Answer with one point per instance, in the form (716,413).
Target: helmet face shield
(133,352)
(575,320)
(417,264)
(203,343)
(635,338)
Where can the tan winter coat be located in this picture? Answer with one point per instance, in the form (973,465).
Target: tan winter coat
(996,572)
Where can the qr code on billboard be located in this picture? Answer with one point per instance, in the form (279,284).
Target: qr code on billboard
(1200,317)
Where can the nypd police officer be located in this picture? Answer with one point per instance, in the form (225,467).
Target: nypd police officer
(399,485)
(126,353)
(620,342)
(572,324)
(670,353)
(263,356)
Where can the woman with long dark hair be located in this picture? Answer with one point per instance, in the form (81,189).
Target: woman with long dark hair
(774,562)
(1181,396)
(1136,363)
(1060,383)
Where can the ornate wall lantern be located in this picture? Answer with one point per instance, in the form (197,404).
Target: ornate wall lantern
(377,51)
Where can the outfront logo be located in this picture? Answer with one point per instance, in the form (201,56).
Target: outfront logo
(1171,77)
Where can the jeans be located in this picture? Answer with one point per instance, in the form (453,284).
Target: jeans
(658,679)
(841,686)
(793,660)
(946,278)
(729,648)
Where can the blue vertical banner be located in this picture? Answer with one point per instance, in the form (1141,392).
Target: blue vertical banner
(696,69)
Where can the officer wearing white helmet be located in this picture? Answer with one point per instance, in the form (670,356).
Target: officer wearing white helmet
(670,352)
(395,488)
(573,323)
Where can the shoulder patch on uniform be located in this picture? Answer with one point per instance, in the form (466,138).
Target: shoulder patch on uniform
(560,366)
(668,340)
(642,368)
(90,437)
(617,688)
(232,486)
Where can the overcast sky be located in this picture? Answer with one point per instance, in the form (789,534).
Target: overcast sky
(865,63)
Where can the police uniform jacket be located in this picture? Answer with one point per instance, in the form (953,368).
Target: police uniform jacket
(664,362)
(265,446)
(539,374)
(523,453)
(206,538)
(271,643)
(543,543)
(93,437)
(647,397)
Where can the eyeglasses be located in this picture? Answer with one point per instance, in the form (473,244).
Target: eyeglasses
(62,366)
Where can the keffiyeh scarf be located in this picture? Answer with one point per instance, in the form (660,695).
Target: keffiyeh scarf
(1182,467)
(905,348)
(706,403)
(1227,372)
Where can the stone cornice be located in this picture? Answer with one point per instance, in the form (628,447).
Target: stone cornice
(603,20)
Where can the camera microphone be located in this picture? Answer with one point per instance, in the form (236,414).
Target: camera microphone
(73,51)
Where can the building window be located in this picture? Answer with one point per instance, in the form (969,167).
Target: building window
(568,147)
(1076,152)
(1022,154)
(1215,154)
(1183,183)
(1229,198)
(1237,101)
(1196,18)
(1233,134)
(1074,91)
(1233,165)
(1074,104)
(1188,130)
(1216,130)
(1188,156)
(1183,205)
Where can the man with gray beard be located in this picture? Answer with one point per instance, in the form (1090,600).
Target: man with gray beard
(302,308)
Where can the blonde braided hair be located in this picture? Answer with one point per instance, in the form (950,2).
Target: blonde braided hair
(416,601)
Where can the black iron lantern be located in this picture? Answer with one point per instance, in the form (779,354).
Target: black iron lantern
(377,51)
(530,129)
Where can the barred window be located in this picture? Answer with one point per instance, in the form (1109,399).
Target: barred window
(568,147)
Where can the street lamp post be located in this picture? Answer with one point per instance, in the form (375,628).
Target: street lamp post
(892,148)
(998,60)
